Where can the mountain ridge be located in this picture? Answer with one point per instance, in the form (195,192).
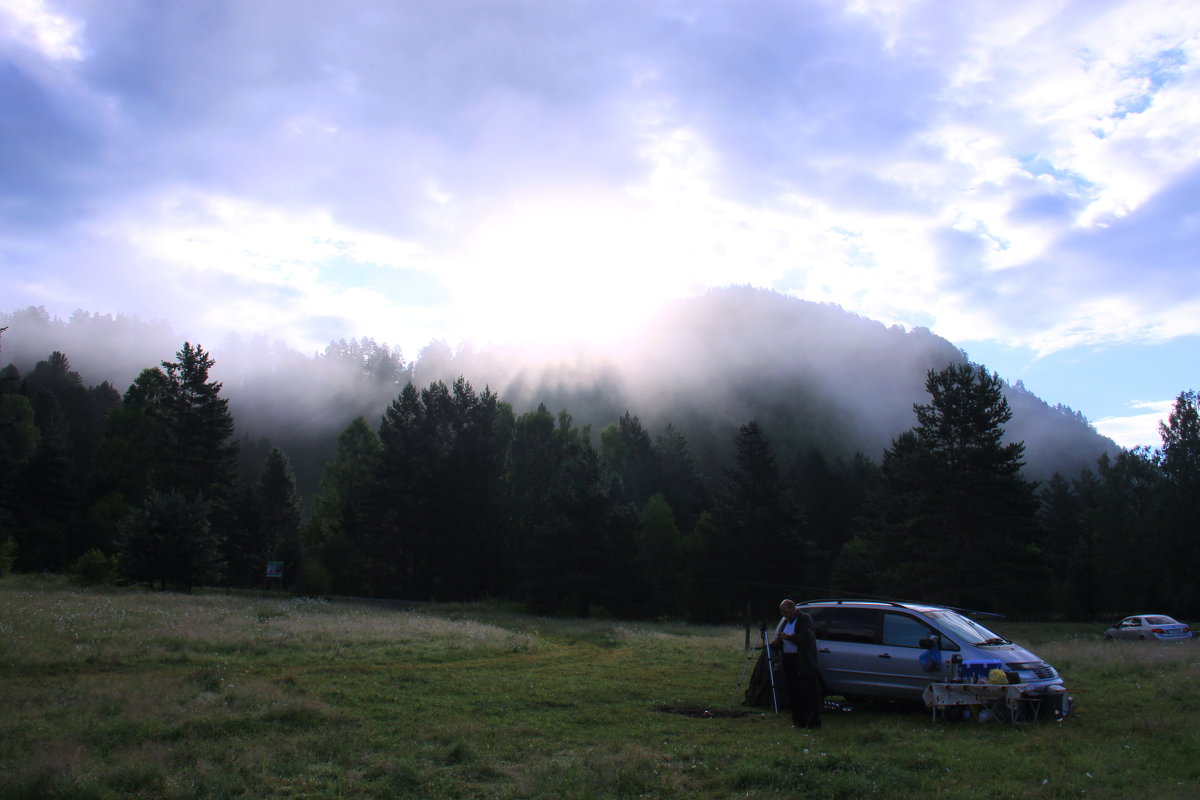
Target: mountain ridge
(814,375)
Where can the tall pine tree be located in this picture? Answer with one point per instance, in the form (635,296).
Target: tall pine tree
(958,522)
(1181,506)
(201,455)
(760,549)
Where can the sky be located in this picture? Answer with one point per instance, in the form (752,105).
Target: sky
(1021,178)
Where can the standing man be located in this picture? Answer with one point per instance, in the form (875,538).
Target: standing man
(798,639)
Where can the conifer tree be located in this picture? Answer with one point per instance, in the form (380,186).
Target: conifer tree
(201,453)
(168,541)
(958,522)
(760,545)
(438,480)
(570,537)
(342,530)
(1181,503)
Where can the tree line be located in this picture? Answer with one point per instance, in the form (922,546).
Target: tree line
(453,495)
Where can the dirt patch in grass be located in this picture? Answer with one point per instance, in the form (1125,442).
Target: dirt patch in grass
(705,713)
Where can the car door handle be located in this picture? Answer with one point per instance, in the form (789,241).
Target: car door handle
(824,650)
(884,655)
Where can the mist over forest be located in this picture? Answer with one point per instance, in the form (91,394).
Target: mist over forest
(742,441)
(813,375)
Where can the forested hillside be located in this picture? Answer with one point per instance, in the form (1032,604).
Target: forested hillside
(813,375)
(745,444)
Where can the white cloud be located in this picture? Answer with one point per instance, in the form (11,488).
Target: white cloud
(1137,430)
(986,171)
(33,24)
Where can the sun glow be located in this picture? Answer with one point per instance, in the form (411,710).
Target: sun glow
(555,275)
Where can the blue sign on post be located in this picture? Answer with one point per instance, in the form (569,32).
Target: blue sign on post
(274,569)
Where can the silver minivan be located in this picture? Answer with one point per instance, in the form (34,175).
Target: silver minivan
(885,650)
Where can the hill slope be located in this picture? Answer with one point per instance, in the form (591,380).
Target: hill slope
(813,375)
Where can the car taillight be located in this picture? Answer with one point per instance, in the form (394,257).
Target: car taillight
(1157,630)
(1187,629)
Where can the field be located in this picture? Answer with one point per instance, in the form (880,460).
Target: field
(108,693)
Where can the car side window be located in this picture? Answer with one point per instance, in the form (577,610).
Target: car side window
(861,625)
(1132,622)
(821,618)
(901,630)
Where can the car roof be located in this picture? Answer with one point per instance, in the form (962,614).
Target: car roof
(920,607)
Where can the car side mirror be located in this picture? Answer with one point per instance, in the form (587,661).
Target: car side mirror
(929,641)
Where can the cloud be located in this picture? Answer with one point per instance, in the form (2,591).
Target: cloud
(1137,430)
(32,25)
(450,170)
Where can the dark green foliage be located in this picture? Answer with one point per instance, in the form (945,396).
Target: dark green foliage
(341,528)
(136,440)
(18,441)
(18,431)
(679,478)
(44,497)
(168,541)
(128,460)
(760,547)
(662,563)
(80,413)
(1125,523)
(1181,501)
(47,466)
(241,544)
(8,553)
(201,453)
(1067,546)
(172,435)
(831,496)
(958,521)
(94,568)
(279,514)
(263,524)
(627,454)
(570,541)
(436,493)
(457,498)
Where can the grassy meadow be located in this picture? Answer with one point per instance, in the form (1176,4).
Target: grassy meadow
(108,693)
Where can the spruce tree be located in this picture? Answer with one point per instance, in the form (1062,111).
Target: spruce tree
(761,547)
(1181,502)
(958,522)
(438,482)
(201,453)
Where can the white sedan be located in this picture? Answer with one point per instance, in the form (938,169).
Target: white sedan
(1149,626)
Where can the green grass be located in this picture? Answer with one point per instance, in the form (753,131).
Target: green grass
(110,693)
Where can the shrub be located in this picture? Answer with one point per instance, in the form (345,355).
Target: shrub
(169,541)
(94,568)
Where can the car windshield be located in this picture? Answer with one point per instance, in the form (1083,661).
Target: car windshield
(1160,621)
(964,630)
